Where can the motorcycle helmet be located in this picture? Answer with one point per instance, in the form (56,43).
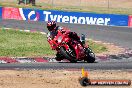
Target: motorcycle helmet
(51,25)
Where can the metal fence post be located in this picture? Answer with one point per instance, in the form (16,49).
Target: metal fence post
(52,3)
(108,4)
(80,3)
(25,1)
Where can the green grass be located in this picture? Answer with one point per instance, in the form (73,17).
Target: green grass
(17,43)
(97,48)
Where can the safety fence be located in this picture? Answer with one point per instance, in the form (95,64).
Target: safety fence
(99,6)
(65,17)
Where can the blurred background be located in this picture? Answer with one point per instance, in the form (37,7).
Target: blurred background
(99,6)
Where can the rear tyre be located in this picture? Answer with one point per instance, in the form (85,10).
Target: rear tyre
(90,56)
(67,55)
(59,57)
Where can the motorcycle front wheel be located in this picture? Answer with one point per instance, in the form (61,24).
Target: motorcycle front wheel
(67,55)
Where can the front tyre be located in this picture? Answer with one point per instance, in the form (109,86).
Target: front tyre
(90,56)
(67,55)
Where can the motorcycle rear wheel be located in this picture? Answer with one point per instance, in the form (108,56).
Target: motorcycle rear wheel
(90,56)
(67,55)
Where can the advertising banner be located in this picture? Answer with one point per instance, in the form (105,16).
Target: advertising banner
(74,17)
(65,17)
(11,13)
(130,21)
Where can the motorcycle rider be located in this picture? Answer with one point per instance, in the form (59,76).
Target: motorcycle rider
(53,31)
(51,26)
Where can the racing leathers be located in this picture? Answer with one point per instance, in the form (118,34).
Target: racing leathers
(51,35)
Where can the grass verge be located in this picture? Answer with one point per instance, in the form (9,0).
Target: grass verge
(16,43)
(45,6)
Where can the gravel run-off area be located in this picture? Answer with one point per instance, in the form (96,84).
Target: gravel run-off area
(57,78)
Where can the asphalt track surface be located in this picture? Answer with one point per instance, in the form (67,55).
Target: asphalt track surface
(121,36)
(114,65)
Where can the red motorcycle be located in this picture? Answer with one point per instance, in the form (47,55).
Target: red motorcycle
(70,48)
